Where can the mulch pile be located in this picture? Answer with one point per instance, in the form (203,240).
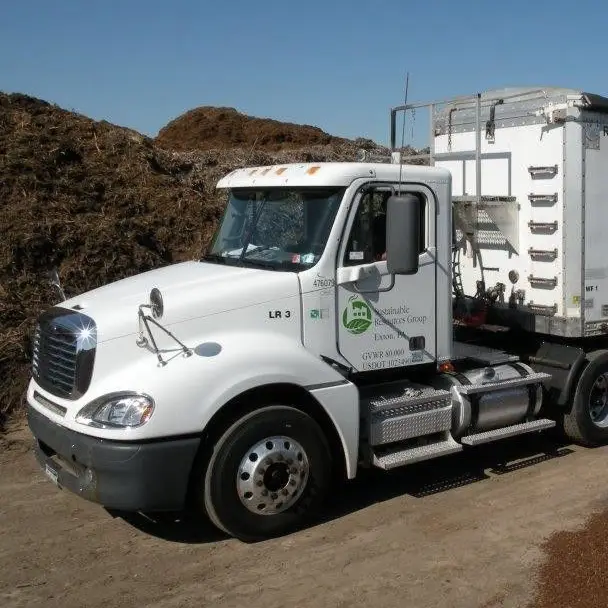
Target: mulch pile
(573,575)
(206,128)
(100,203)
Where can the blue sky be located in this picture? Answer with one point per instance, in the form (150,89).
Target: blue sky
(337,64)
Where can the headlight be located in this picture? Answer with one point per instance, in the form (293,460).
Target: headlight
(120,410)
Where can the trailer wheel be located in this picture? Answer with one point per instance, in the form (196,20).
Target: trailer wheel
(268,474)
(587,421)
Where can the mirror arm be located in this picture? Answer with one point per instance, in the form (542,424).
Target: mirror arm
(353,274)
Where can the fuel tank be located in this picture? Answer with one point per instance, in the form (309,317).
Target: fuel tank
(495,408)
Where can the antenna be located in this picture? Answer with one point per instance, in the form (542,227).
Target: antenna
(407,83)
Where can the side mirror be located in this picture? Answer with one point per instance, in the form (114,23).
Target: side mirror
(403,234)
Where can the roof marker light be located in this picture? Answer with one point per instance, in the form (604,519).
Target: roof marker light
(313,170)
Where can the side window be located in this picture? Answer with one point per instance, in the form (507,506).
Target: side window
(367,239)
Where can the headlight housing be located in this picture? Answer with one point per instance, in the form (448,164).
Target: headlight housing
(117,411)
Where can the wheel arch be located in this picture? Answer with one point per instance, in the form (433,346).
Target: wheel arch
(565,363)
(279,393)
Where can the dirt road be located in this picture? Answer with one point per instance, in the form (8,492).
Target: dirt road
(464,532)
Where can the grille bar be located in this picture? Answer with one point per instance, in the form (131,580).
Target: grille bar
(59,355)
(61,341)
(63,364)
(52,369)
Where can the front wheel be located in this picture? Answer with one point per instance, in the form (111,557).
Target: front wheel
(587,422)
(269,473)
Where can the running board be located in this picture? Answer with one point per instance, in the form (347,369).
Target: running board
(508,431)
(406,456)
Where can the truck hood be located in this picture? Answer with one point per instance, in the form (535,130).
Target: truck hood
(189,289)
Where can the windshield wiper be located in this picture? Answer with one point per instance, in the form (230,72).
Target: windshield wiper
(215,257)
(282,265)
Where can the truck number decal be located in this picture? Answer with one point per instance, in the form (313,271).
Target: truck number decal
(279,314)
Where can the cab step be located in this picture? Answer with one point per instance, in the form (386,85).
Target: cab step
(404,456)
(405,411)
(508,431)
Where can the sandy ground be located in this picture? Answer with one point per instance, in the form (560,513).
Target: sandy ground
(463,532)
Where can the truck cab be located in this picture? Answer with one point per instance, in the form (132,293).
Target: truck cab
(313,338)
(328,224)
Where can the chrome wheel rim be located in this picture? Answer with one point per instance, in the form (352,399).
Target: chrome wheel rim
(272,475)
(598,401)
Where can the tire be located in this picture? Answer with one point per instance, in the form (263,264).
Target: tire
(587,421)
(292,467)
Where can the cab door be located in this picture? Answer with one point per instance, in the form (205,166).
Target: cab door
(385,321)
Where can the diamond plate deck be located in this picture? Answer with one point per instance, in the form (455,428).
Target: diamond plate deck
(508,431)
(401,424)
(481,354)
(417,454)
(471,389)
(407,395)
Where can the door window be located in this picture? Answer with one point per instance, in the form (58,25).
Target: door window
(367,241)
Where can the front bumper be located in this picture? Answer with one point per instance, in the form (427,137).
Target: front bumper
(128,476)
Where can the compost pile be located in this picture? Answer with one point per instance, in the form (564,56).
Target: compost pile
(207,128)
(101,202)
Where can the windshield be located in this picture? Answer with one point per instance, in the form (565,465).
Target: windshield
(279,228)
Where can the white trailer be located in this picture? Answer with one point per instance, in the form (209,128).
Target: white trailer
(317,336)
(534,236)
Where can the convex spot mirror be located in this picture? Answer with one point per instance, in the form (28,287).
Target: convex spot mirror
(403,233)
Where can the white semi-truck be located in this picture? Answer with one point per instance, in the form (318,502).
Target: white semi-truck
(346,315)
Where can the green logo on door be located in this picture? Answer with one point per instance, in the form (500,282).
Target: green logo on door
(357,316)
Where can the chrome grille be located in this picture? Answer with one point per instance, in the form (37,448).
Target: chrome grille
(63,352)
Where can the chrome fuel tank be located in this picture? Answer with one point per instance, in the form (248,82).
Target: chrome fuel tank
(497,407)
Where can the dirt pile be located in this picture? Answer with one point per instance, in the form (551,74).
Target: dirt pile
(207,128)
(100,202)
